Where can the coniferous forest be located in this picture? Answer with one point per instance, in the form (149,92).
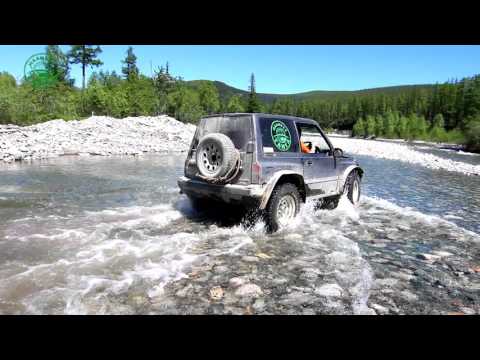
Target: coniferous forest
(447,112)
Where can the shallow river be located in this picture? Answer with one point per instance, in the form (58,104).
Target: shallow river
(94,235)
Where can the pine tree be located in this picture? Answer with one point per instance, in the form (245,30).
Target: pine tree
(235,104)
(402,127)
(86,55)
(208,96)
(253,104)
(57,64)
(359,128)
(379,129)
(438,121)
(389,125)
(370,126)
(130,70)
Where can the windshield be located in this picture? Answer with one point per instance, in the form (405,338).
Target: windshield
(237,128)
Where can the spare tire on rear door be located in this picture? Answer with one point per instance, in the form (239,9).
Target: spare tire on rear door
(216,156)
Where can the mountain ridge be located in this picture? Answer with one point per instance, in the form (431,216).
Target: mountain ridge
(226,91)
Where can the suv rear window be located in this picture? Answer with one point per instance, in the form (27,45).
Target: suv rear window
(278,135)
(237,128)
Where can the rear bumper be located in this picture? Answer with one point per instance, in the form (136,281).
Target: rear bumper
(230,193)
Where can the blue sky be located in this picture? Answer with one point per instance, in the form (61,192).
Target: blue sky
(285,69)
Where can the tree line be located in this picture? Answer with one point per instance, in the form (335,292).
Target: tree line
(443,112)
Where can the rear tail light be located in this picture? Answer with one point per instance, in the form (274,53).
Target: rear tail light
(256,173)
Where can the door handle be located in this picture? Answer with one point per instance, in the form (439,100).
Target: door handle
(309,162)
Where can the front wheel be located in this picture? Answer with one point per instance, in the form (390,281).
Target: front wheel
(352,188)
(283,206)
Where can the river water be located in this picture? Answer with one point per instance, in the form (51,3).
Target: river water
(97,235)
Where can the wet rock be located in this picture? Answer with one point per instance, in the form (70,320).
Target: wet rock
(408,296)
(259,305)
(279,281)
(379,309)
(220,269)
(216,293)
(297,298)
(250,258)
(428,257)
(236,282)
(442,253)
(263,256)
(402,276)
(249,310)
(185,292)
(467,311)
(329,290)
(385,283)
(249,291)
(458,265)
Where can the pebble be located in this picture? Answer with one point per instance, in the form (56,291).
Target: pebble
(216,293)
(428,257)
(467,311)
(329,290)
(250,258)
(236,282)
(442,253)
(249,290)
(407,295)
(379,309)
(259,305)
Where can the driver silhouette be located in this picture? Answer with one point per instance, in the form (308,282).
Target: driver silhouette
(304,147)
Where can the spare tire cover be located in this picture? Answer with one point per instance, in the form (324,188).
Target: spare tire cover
(215,155)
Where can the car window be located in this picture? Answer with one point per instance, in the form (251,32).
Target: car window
(237,128)
(278,136)
(312,139)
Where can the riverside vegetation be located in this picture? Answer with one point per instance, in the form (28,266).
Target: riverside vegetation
(448,112)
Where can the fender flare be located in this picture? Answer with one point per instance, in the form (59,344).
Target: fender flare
(345,174)
(271,185)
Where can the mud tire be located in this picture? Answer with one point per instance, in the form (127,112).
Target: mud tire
(282,191)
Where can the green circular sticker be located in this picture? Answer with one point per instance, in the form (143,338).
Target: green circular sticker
(36,71)
(281,136)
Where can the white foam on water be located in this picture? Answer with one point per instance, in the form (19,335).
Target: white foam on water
(110,252)
(11,189)
(121,240)
(428,219)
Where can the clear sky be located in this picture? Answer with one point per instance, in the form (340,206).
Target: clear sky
(285,69)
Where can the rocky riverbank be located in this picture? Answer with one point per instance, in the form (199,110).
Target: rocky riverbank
(97,135)
(398,151)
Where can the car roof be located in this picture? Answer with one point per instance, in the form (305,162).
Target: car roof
(265,115)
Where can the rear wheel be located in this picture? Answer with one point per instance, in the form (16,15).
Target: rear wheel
(283,206)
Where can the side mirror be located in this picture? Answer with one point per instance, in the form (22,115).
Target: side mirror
(337,152)
(250,147)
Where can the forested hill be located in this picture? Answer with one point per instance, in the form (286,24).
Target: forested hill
(446,112)
(226,91)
